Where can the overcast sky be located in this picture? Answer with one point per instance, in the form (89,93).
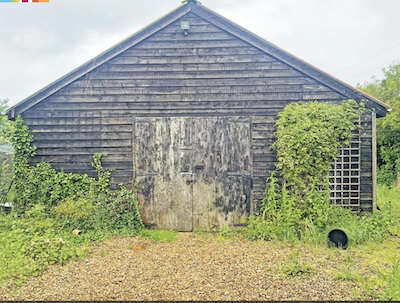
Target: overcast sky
(40,42)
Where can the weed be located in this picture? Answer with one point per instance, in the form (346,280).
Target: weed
(347,276)
(103,253)
(296,267)
(159,235)
(392,292)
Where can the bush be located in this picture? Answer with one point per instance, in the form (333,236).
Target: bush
(308,138)
(48,205)
(75,200)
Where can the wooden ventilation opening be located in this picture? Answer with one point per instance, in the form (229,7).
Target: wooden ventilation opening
(345,175)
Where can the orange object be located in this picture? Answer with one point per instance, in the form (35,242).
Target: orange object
(138,247)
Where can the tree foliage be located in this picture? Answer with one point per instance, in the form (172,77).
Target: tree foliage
(4,122)
(388,128)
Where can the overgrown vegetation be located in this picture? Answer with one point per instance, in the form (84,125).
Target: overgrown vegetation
(388,128)
(297,206)
(49,205)
(5,124)
(297,209)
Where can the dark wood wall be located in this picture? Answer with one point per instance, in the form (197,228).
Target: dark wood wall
(208,72)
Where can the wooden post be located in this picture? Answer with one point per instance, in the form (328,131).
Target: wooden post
(374,165)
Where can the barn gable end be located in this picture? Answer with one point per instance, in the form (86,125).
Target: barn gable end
(218,75)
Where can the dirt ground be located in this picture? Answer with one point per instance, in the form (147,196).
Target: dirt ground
(194,267)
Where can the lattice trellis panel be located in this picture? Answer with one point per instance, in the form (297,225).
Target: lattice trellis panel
(345,175)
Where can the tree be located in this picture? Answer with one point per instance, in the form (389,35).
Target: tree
(388,128)
(4,122)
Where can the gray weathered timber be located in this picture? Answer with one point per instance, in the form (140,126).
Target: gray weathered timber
(196,173)
(190,119)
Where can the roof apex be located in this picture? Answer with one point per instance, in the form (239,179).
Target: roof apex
(191,1)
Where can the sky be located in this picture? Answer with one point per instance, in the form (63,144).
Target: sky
(41,42)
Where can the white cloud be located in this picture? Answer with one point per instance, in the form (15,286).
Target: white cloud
(40,43)
(34,38)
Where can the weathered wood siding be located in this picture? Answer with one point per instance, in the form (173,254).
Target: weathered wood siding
(367,164)
(209,72)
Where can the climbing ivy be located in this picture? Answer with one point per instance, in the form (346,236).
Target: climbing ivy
(58,191)
(308,138)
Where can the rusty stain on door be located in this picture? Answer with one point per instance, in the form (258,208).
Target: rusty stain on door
(193,173)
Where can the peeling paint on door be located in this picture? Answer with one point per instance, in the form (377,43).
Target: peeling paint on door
(193,173)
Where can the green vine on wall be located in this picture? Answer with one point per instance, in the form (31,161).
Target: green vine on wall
(62,194)
(308,139)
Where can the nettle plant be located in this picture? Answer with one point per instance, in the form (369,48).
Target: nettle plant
(78,201)
(308,139)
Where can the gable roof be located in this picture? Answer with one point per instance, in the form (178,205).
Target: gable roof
(195,7)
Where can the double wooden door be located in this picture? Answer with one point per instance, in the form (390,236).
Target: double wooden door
(193,173)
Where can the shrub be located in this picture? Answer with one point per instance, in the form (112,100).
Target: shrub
(49,205)
(75,200)
(308,139)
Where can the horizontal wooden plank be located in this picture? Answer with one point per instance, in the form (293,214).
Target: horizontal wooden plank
(79,121)
(83,143)
(264,165)
(191,36)
(155,113)
(194,20)
(195,59)
(263,119)
(322,95)
(262,134)
(74,128)
(98,97)
(119,174)
(272,73)
(84,151)
(191,82)
(79,136)
(263,127)
(204,28)
(160,106)
(115,158)
(263,158)
(182,52)
(316,88)
(86,167)
(200,90)
(262,142)
(200,67)
(190,44)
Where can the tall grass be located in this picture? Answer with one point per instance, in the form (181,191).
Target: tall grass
(360,229)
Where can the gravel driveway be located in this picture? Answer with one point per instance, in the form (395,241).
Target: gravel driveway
(192,268)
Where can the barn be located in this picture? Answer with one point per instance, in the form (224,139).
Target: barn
(185,110)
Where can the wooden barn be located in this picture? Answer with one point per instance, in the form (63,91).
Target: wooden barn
(185,109)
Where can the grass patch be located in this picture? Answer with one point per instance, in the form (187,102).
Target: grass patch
(296,267)
(159,235)
(347,276)
(28,246)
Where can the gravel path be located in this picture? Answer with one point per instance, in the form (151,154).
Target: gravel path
(192,268)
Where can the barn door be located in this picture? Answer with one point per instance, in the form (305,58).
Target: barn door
(193,173)
(222,166)
(164,172)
